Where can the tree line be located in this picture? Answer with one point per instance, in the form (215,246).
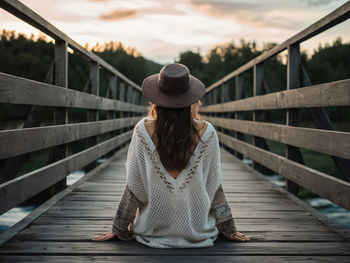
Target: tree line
(31,58)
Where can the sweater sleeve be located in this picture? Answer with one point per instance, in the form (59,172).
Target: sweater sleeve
(125,215)
(222,212)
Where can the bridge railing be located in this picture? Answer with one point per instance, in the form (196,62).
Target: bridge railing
(123,103)
(227,114)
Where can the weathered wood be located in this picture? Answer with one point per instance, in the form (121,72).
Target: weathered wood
(112,94)
(259,116)
(324,141)
(174,259)
(292,115)
(240,94)
(322,121)
(335,93)
(59,152)
(281,229)
(93,115)
(11,232)
(135,248)
(320,183)
(19,141)
(17,90)
(21,188)
(336,17)
(10,166)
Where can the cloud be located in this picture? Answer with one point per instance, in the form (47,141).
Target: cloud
(119,14)
(252,13)
(316,2)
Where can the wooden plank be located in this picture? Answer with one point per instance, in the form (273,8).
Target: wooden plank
(325,141)
(10,166)
(184,259)
(21,188)
(71,213)
(135,248)
(322,121)
(320,183)
(339,15)
(12,231)
(19,141)
(86,235)
(17,90)
(24,13)
(335,93)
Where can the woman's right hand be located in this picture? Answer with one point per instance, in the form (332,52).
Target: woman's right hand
(105,236)
(237,236)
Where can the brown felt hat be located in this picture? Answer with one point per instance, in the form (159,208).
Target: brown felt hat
(173,87)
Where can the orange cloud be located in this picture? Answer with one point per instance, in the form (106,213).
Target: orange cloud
(119,14)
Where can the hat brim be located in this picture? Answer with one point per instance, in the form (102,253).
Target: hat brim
(153,93)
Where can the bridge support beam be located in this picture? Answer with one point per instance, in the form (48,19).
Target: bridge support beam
(112,94)
(259,115)
(292,115)
(93,114)
(240,94)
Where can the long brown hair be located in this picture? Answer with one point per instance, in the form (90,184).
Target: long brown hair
(175,134)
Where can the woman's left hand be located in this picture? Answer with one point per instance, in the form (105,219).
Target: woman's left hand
(237,236)
(105,236)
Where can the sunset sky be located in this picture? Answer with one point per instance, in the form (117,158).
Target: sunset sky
(160,30)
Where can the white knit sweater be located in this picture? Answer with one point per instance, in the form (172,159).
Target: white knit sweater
(177,211)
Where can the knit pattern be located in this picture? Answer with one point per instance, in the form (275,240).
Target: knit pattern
(177,211)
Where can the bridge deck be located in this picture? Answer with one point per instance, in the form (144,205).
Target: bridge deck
(280,227)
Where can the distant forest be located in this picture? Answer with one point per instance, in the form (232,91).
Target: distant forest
(31,58)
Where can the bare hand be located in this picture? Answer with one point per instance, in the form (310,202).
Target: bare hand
(105,236)
(236,237)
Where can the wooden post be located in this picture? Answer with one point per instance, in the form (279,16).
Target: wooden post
(112,94)
(93,114)
(216,101)
(239,115)
(60,114)
(259,115)
(292,115)
(122,98)
(60,117)
(225,96)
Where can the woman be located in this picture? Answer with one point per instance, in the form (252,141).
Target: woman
(173,196)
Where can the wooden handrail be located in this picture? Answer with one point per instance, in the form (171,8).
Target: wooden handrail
(24,13)
(55,94)
(336,17)
(335,93)
(17,90)
(218,109)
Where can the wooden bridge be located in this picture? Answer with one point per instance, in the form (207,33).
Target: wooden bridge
(282,227)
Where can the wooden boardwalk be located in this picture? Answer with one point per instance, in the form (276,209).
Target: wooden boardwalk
(281,228)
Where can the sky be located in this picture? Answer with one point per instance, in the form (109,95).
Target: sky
(161,29)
